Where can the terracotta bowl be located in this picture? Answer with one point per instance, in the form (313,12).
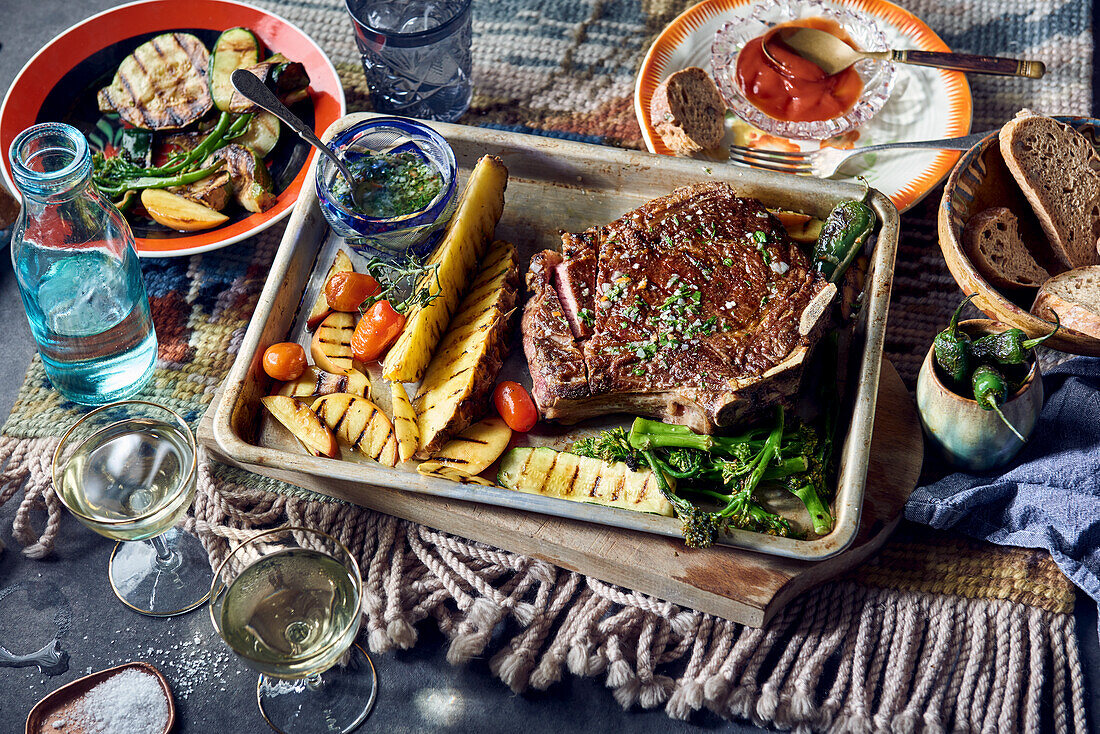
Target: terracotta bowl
(970,437)
(982,180)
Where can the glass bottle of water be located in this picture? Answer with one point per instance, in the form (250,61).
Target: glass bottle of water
(78,272)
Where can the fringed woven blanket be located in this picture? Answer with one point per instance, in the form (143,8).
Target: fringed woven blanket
(938,633)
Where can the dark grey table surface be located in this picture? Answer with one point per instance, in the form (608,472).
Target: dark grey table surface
(419,691)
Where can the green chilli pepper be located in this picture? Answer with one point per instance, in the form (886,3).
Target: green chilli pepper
(990,391)
(952,347)
(842,236)
(1009,347)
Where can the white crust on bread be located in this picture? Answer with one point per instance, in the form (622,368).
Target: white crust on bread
(1075,296)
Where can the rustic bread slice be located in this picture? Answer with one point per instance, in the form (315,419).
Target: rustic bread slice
(1059,172)
(993,244)
(688,112)
(1075,296)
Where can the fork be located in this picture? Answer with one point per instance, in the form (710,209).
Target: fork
(825,162)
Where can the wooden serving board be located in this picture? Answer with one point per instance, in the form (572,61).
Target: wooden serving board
(738,585)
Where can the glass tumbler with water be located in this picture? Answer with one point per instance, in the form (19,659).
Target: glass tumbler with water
(416,55)
(78,272)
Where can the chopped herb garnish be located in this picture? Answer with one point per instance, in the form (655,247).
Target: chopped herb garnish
(759,237)
(586,316)
(728,262)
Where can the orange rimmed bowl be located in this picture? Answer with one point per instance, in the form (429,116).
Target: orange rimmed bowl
(982,180)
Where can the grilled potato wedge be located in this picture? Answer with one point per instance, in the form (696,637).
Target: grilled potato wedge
(321,309)
(456,386)
(359,423)
(315,382)
(331,345)
(454,475)
(472,451)
(457,255)
(581,479)
(404,422)
(304,424)
(173,210)
(162,84)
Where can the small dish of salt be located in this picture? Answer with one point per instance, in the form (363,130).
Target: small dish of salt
(128,699)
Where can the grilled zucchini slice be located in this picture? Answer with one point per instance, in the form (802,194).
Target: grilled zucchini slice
(581,479)
(472,451)
(236,48)
(315,382)
(461,249)
(262,134)
(359,423)
(162,84)
(456,386)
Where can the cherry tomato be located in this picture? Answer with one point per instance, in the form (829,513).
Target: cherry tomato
(376,331)
(515,406)
(346,291)
(285,361)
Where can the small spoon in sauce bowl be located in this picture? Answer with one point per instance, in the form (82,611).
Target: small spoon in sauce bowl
(250,87)
(833,55)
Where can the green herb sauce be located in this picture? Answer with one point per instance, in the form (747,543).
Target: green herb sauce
(390,184)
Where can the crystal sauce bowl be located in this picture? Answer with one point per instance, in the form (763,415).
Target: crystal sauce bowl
(414,233)
(877,76)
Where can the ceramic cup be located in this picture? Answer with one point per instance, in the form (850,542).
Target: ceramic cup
(972,438)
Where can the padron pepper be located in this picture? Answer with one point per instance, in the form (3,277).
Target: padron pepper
(991,391)
(842,236)
(1009,347)
(952,347)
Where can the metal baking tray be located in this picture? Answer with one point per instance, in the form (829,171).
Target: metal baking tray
(554,184)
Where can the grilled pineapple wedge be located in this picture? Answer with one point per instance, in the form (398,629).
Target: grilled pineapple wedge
(404,422)
(472,451)
(359,423)
(162,84)
(458,380)
(321,309)
(581,479)
(315,382)
(457,255)
(331,345)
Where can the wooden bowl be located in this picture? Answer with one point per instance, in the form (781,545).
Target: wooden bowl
(982,180)
(60,702)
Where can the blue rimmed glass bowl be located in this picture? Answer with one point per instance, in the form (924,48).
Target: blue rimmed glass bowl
(414,233)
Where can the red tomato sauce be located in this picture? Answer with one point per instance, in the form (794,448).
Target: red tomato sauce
(797,91)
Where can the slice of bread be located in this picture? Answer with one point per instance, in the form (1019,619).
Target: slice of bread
(1059,172)
(1075,296)
(688,112)
(993,244)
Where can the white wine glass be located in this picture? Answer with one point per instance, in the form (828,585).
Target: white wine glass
(127,470)
(287,601)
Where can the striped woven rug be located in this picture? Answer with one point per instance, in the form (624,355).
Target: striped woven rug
(938,633)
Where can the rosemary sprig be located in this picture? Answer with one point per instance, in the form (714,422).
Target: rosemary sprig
(396,278)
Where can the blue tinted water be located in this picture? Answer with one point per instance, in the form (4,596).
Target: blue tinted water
(91,320)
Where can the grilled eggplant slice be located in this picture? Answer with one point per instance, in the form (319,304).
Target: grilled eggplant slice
(236,48)
(250,178)
(456,385)
(162,84)
(213,191)
(287,79)
(581,479)
(360,424)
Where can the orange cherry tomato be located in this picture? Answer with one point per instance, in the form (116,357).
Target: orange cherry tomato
(346,291)
(285,361)
(515,406)
(376,331)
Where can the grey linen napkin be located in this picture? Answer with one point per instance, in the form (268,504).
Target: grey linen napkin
(1049,496)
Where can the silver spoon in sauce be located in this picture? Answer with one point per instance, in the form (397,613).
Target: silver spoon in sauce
(833,55)
(250,87)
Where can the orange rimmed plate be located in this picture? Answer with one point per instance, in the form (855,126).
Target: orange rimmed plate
(60,83)
(926,104)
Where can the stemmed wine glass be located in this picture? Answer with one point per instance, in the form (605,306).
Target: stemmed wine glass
(127,470)
(287,601)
